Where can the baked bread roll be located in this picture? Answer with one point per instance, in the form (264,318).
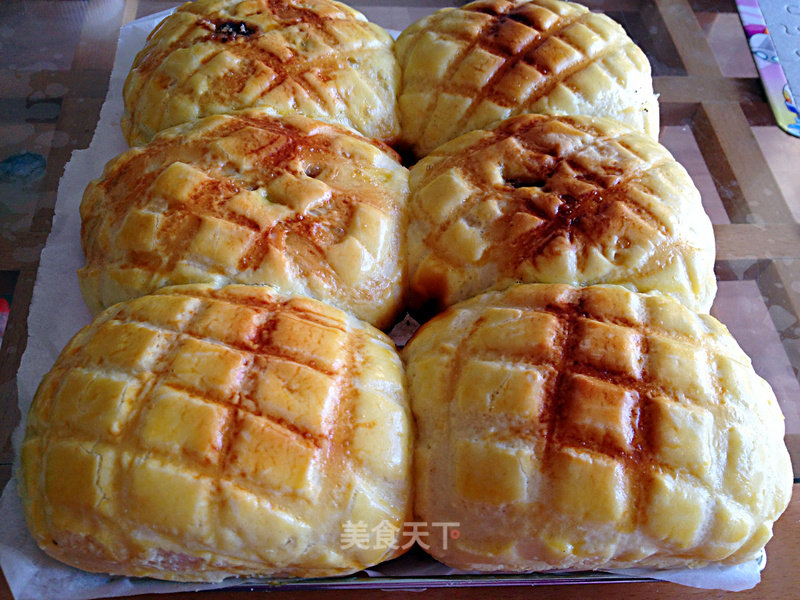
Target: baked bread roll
(587,428)
(251,198)
(204,432)
(576,200)
(316,57)
(465,68)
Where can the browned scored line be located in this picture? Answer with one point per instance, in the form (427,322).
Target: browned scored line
(555,392)
(258,249)
(307,252)
(631,179)
(274,350)
(327,64)
(222,295)
(232,430)
(294,143)
(643,459)
(335,454)
(179,83)
(318,319)
(177,232)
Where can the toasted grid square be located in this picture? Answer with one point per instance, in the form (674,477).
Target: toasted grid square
(254,206)
(375,417)
(93,402)
(177,422)
(532,334)
(519,82)
(601,412)
(495,388)
(678,510)
(683,437)
(139,231)
(431,57)
(589,487)
(300,193)
(154,493)
(176,183)
(272,457)
(320,345)
(488,474)
(70,474)
(130,346)
(679,366)
(609,347)
(476,69)
(442,195)
(294,393)
(230,323)
(220,242)
(464,241)
(169,312)
(208,368)
(250,521)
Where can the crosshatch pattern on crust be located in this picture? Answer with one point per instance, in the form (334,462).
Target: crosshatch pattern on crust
(251,198)
(592,427)
(466,68)
(197,432)
(319,58)
(548,199)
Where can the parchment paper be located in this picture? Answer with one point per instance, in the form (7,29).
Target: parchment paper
(57,312)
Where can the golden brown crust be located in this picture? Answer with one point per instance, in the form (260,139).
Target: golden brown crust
(204,432)
(579,200)
(465,68)
(251,198)
(316,57)
(594,427)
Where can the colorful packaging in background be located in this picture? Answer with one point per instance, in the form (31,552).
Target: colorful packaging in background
(4,310)
(773,76)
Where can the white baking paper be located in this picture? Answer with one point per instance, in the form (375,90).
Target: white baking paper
(57,312)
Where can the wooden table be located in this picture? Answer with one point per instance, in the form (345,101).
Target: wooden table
(54,77)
